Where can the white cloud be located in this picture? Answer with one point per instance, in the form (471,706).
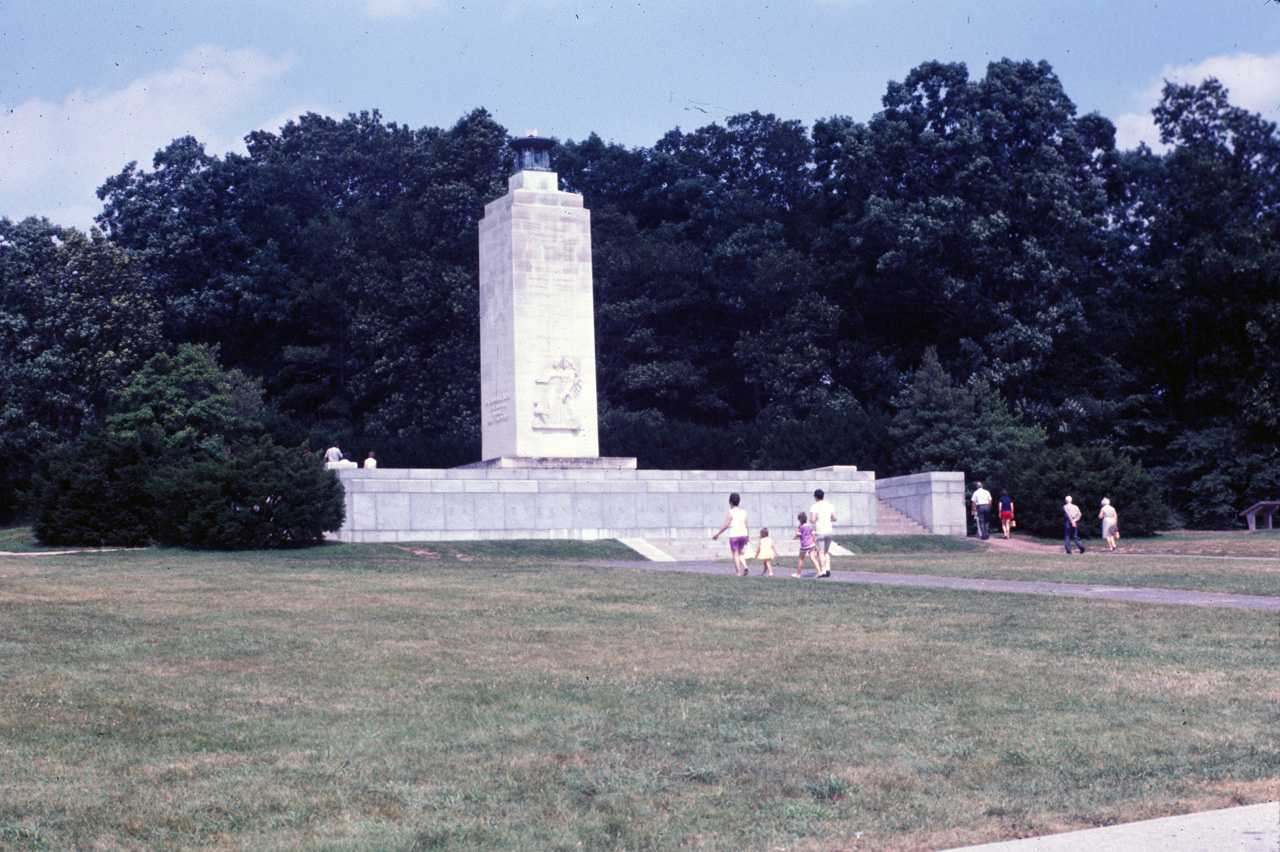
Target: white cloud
(53,156)
(399,8)
(386,9)
(1252,81)
(1133,128)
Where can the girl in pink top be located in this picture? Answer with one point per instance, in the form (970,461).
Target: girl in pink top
(804,532)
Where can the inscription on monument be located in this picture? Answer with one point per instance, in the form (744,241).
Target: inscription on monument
(497,411)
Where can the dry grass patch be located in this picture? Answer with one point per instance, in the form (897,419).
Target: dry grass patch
(373,699)
(1264,544)
(1155,563)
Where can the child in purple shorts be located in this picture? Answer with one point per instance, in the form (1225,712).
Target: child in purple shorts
(739,534)
(808,545)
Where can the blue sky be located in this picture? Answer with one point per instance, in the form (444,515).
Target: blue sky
(87,87)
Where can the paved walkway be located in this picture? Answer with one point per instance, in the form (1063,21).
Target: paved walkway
(1176,597)
(1253,828)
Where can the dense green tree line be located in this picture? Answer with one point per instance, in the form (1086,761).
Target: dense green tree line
(974,278)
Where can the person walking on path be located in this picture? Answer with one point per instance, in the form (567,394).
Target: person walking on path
(1109,519)
(739,534)
(982,511)
(766,553)
(1006,512)
(822,515)
(808,546)
(1071,531)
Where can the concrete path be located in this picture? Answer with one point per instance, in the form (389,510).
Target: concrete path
(1069,590)
(783,568)
(1253,828)
(707,549)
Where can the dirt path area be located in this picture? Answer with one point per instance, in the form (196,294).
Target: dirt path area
(997,544)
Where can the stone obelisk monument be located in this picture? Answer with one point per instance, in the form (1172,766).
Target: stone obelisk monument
(537,322)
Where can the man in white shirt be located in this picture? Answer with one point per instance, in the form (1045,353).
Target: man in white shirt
(1071,531)
(822,515)
(982,511)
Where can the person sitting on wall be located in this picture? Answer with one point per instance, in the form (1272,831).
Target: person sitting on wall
(332,456)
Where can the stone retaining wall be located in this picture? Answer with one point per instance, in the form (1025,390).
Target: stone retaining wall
(462,504)
(934,500)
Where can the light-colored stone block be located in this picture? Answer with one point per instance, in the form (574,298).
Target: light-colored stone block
(554,510)
(588,511)
(619,509)
(652,511)
(935,500)
(459,512)
(362,512)
(520,511)
(490,509)
(426,511)
(537,325)
(590,504)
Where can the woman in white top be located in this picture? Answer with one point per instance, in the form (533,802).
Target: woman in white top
(739,534)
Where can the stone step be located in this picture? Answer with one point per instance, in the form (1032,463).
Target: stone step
(890,521)
(707,550)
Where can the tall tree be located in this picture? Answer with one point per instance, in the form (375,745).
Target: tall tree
(76,319)
(969,215)
(1197,305)
(685,296)
(336,260)
(941,426)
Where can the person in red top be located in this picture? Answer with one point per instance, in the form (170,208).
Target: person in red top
(1006,512)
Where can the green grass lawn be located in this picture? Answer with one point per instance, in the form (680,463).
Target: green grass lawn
(1191,561)
(20,540)
(497,697)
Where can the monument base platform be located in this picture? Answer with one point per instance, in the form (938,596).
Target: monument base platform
(487,502)
(551,463)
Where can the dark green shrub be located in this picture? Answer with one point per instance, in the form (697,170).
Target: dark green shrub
(661,444)
(840,432)
(1088,474)
(96,492)
(941,426)
(190,399)
(260,496)
(183,460)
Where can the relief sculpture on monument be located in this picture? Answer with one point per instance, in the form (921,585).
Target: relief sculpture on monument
(553,405)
